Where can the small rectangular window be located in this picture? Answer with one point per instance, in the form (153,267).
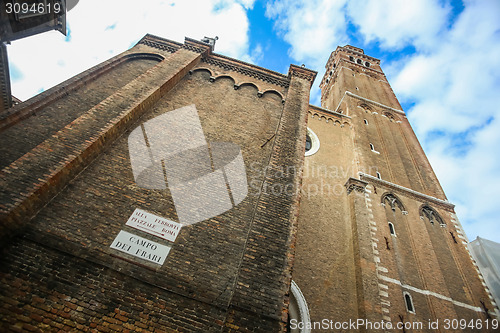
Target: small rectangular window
(391,229)
(409,303)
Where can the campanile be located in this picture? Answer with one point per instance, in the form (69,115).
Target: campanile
(377,238)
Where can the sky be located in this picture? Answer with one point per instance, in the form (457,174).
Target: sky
(442,59)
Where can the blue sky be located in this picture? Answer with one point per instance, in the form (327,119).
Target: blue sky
(442,59)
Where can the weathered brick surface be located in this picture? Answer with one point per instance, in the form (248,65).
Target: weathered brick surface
(48,120)
(30,181)
(205,283)
(45,290)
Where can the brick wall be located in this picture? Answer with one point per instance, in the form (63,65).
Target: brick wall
(66,200)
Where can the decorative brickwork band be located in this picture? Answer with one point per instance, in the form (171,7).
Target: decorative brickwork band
(245,69)
(356,185)
(160,43)
(302,73)
(197,46)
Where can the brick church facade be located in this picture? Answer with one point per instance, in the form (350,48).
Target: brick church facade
(311,214)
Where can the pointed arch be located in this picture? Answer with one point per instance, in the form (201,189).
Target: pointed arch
(389,115)
(393,201)
(429,213)
(365,107)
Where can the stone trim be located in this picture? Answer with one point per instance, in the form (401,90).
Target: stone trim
(248,69)
(317,108)
(408,192)
(315,144)
(355,184)
(302,304)
(430,293)
(375,103)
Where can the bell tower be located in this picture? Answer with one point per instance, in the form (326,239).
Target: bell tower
(377,238)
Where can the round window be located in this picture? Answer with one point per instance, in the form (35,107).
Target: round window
(308,143)
(312,142)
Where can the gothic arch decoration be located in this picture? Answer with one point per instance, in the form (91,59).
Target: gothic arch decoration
(429,213)
(393,201)
(237,85)
(272,91)
(365,107)
(244,84)
(321,117)
(144,55)
(203,69)
(389,115)
(392,117)
(224,76)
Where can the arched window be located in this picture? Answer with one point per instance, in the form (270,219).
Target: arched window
(298,311)
(391,229)
(359,61)
(308,143)
(366,121)
(367,64)
(351,58)
(409,302)
(391,200)
(427,212)
(312,142)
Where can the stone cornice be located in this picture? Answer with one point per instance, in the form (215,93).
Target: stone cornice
(244,68)
(375,103)
(302,72)
(354,184)
(424,198)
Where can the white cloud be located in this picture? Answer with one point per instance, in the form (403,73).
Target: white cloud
(313,29)
(398,23)
(96,35)
(453,80)
(455,89)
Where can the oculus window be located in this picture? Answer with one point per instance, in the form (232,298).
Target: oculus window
(312,142)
